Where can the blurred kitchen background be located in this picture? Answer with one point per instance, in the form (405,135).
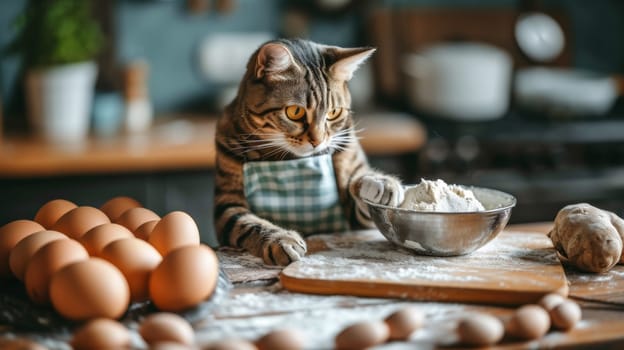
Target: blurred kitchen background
(522,96)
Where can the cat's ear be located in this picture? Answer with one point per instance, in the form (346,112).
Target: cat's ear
(272,59)
(347,61)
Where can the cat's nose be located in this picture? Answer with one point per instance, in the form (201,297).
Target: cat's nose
(314,142)
(315,135)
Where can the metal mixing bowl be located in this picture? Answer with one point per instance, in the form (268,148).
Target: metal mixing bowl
(445,233)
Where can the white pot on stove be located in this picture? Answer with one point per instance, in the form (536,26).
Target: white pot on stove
(461,81)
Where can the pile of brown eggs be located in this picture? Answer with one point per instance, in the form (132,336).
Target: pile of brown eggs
(92,262)
(158,330)
(528,322)
(397,326)
(168,331)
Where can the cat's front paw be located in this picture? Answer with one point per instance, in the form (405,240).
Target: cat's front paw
(284,248)
(382,190)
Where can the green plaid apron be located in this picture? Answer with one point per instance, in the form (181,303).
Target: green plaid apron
(299,194)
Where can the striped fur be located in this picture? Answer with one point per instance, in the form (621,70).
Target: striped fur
(255,127)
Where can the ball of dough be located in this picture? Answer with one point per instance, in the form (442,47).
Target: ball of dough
(589,237)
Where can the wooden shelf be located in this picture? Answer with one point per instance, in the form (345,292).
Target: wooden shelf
(174,143)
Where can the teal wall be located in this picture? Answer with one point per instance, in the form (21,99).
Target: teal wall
(167,36)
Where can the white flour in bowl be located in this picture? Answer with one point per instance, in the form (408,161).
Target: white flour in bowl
(440,197)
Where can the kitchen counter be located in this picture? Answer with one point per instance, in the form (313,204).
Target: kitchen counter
(256,303)
(254,308)
(174,143)
(169,167)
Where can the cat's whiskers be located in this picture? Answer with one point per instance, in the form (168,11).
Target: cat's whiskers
(246,146)
(260,138)
(274,145)
(281,152)
(269,145)
(342,139)
(257,142)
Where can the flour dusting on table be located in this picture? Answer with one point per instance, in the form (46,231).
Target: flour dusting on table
(320,318)
(240,266)
(378,259)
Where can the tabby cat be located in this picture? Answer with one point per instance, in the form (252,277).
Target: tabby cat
(293,105)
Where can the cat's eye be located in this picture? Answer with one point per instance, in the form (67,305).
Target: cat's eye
(334,113)
(295,112)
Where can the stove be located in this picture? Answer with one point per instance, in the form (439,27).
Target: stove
(546,162)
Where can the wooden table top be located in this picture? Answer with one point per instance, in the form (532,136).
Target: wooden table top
(253,310)
(256,304)
(174,143)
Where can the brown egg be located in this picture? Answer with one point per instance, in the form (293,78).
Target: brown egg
(281,339)
(549,301)
(143,232)
(136,259)
(135,217)
(27,247)
(50,212)
(166,327)
(20,344)
(403,322)
(10,235)
(528,322)
(172,346)
(480,330)
(45,262)
(89,289)
(193,270)
(116,206)
(78,221)
(230,344)
(98,237)
(174,230)
(362,335)
(101,333)
(565,315)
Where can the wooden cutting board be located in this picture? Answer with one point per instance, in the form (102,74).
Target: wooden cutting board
(514,268)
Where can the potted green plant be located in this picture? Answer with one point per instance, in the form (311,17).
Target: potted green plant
(58,41)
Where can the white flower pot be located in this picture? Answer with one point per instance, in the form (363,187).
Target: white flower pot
(59,101)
